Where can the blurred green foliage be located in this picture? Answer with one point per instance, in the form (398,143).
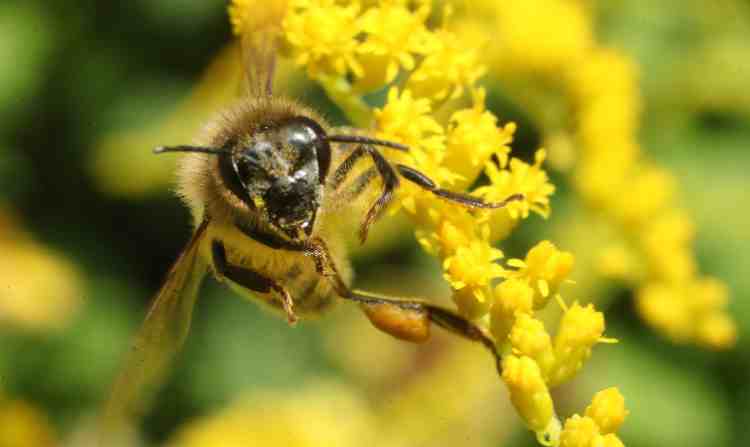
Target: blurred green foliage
(75,71)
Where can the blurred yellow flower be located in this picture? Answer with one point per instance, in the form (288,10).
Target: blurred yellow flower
(447,70)
(41,289)
(23,425)
(341,419)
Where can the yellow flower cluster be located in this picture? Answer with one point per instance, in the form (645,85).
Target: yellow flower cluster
(599,87)
(352,48)
(356,47)
(342,419)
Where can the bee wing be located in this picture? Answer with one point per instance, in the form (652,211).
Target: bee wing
(260,43)
(159,339)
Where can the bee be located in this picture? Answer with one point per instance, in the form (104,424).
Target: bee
(266,187)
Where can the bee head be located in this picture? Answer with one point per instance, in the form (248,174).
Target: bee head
(279,170)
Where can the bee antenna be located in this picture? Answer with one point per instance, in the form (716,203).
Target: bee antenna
(204,150)
(367,140)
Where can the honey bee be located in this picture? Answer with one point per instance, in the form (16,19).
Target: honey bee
(266,188)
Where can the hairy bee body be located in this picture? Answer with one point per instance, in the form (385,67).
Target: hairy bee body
(207,192)
(312,293)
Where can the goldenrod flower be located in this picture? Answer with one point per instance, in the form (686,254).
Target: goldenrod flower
(454,65)
(579,432)
(545,268)
(529,338)
(512,298)
(408,120)
(530,180)
(395,34)
(469,272)
(323,35)
(528,392)
(247,16)
(580,329)
(608,410)
(473,137)
(598,426)
(524,34)
(689,312)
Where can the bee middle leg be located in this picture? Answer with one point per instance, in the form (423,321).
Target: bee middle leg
(405,319)
(250,279)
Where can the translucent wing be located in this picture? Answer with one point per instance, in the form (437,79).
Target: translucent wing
(260,36)
(158,341)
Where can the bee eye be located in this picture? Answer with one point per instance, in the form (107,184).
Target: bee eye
(307,138)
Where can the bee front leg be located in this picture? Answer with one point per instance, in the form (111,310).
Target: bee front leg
(466,200)
(250,279)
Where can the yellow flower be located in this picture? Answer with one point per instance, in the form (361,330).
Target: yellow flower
(22,425)
(694,311)
(446,239)
(528,392)
(341,419)
(473,137)
(608,410)
(454,65)
(580,329)
(394,34)
(26,301)
(529,338)
(408,120)
(524,42)
(666,242)
(648,193)
(545,268)
(249,15)
(579,432)
(598,426)
(323,37)
(511,298)
(529,180)
(717,331)
(469,272)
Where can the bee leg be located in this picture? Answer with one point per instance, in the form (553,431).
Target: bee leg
(383,168)
(390,183)
(405,319)
(343,170)
(466,200)
(410,319)
(250,279)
